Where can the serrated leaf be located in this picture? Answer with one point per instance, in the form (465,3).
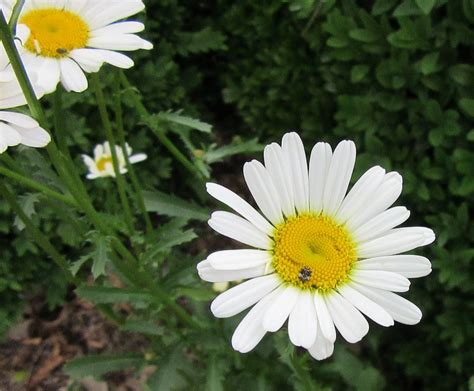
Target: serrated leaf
(170,205)
(109,295)
(185,121)
(27,203)
(169,375)
(98,365)
(76,266)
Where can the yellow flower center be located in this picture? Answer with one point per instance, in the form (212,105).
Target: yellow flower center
(313,252)
(102,162)
(54,32)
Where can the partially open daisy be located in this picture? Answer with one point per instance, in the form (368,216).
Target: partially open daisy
(16,128)
(321,258)
(101,165)
(70,37)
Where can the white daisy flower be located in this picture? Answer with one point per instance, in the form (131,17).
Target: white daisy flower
(101,165)
(321,258)
(16,128)
(70,37)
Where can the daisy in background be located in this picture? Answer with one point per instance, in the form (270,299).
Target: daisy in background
(17,128)
(70,37)
(321,258)
(101,165)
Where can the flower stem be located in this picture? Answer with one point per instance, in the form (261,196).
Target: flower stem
(59,123)
(121,134)
(37,186)
(143,112)
(15,14)
(110,137)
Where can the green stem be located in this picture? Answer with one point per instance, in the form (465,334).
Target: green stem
(12,53)
(15,15)
(143,112)
(38,236)
(121,134)
(110,137)
(59,128)
(37,186)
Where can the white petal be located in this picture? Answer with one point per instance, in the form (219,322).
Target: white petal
(34,137)
(360,193)
(244,295)
(241,206)
(410,266)
(339,176)
(208,273)
(263,190)
(18,119)
(72,76)
(278,312)
(119,28)
(348,320)
(239,229)
(381,279)
(381,223)
(238,259)
(124,42)
(400,309)
(366,306)
(47,69)
(383,198)
(319,163)
(322,348)
(394,242)
(303,321)
(107,12)
(295,155)
(279,170)
(9,137)
(139,157)
(88,59)
(250,332)
(324,317)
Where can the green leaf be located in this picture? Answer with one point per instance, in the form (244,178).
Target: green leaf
(201,41)
(99,255)
(169,375)
(237,147)
(462,74)
(76,266)
(426,5)
(109,295)
(467,106)
(358,73)
(27,203)
(382,6)
(407,8)
(429,63)
(185,121)
(470,135)
(142,327)
(363,35)
(197,294)
(98,365)
(170,205)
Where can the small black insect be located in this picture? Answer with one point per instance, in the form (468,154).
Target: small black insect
(61,51)
(305,274)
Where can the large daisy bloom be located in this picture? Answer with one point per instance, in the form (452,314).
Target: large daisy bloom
(321,258)
(101,164)
(16,128)
(70,37)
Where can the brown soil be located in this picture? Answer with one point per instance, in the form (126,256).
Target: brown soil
(35,350)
